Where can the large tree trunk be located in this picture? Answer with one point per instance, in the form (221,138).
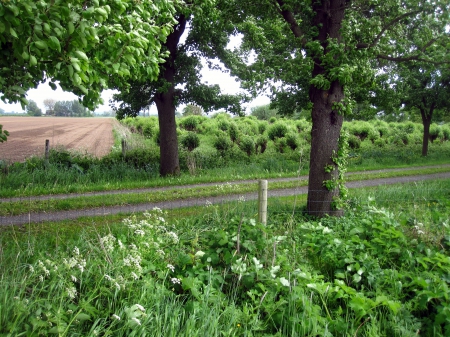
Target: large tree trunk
(426,120)
(165,103)
(326,122)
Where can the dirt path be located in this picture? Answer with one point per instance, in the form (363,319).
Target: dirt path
(174,204)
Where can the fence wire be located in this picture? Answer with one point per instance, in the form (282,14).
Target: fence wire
(245,204)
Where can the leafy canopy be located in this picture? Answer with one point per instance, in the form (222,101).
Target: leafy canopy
(86,45)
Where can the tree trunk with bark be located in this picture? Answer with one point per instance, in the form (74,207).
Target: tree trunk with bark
(426,120)
(165,103)
(326,121)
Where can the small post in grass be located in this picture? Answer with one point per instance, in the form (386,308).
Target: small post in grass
(124,148)
(262,202)
(47,151)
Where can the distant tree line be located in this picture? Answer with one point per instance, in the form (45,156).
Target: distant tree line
(58,108)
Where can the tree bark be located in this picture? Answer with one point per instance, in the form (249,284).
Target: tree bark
(426,121)
(165,104)
(326,122)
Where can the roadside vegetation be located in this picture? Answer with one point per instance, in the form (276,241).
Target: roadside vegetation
(382,269)
(218,149)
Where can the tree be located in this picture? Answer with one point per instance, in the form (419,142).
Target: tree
(3,134)
(63,108)
(263,112)
(207,37)
(325,47)
(33,109)
(427,88)
(192,109)
(85,45)
(49,104)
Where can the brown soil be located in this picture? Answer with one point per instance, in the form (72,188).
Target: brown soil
(27,136)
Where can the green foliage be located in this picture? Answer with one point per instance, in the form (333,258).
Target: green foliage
(261,143)
(233,131)
(292,140)
(86,47)
(3,134)
(277,130)
(192,109)
(247,144)
(189,123)
(190,141)
(263,112)
(222,143)
(33,109)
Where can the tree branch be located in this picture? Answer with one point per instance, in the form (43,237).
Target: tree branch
(288,16)
(385,28)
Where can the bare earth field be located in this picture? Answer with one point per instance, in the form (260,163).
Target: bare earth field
(27,135)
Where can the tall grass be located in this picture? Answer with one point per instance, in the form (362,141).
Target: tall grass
(217,272)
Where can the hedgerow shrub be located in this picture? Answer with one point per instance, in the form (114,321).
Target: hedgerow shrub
(247,144)
(354,142)
(233,131)
(435,132)
(189,123)
(190,141)
(292,140)
(277,130)
(262,126)
(261,143)
(222,143)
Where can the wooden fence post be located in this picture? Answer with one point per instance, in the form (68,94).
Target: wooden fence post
(262,202)
(47,152)
(124,148)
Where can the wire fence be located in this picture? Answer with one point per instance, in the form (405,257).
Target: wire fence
(247,204)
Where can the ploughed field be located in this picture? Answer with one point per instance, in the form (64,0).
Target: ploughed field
(27,135)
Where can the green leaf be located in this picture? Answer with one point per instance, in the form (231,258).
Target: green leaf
(41,44)
(54,43)
(83,317)
(13,32)
(2,27)
(70,28)
(81,55)
(70,69)
(33,60)
(83,89)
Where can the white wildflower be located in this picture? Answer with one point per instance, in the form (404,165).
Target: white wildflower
(76,251)
(157,209)
(208,203)
(274,270)
(175,280)
(173,236)
(41,278)
(241,199)
(199,254)
(71,292)
(109,278)
(258,264)
(69,312)
(172,268)
(140,307)
(326,230)
(116,317)
(137,321)
(139,232)
(239,267)
(160,252)
(284,282)
(117,285)
(120,244)
(133,246)
(31,268)
(134,276)
(74,279)
(161,219)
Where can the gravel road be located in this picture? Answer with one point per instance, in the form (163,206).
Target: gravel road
(174,204)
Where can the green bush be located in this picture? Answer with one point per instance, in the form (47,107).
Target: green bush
(233,132)
(223,125)
(261,143)
(262,126)
(247,144)
(277,130)
(292,140)
(189,123)
(190,141)
(272,120)
(354,142)
(222,143)
(435,132)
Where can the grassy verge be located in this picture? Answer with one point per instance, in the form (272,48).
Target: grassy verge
(216,272)
(85,201)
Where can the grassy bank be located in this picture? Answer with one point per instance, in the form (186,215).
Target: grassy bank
(214,271)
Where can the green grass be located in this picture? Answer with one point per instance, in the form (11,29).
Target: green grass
(368,273)
(25,205)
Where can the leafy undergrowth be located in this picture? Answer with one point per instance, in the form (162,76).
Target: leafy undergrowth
(365,274)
